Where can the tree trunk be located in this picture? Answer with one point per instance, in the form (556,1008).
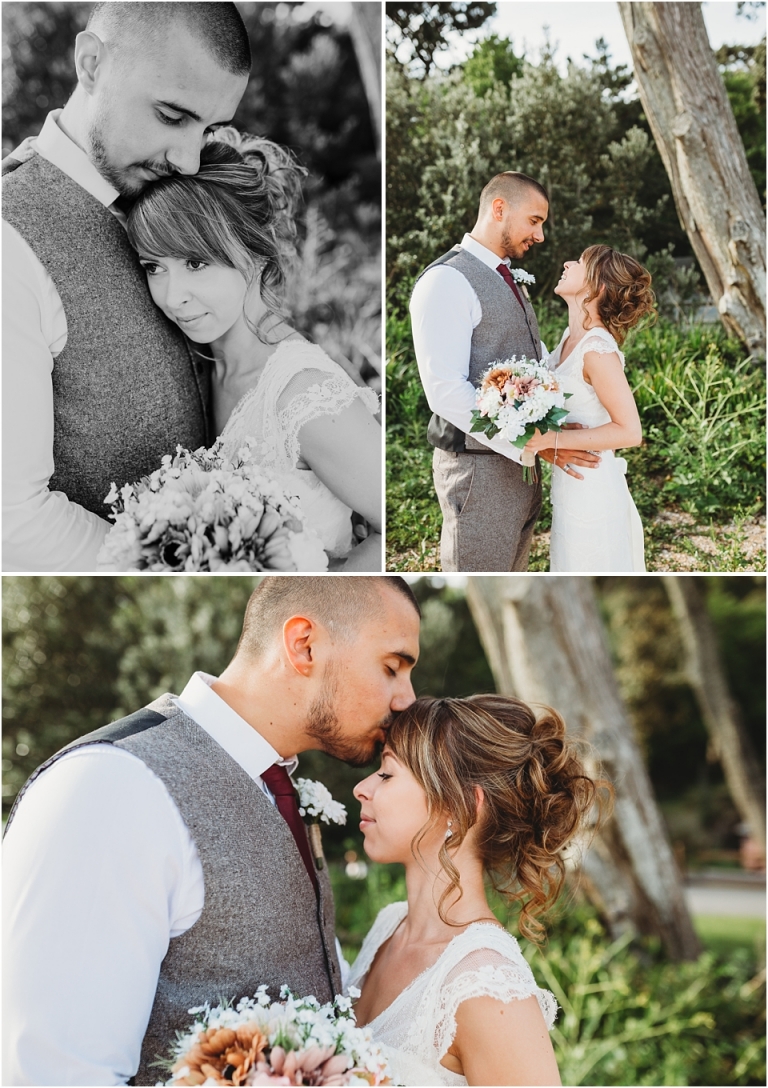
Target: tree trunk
(721,715)
(544,640)
(693,125)
(365,29)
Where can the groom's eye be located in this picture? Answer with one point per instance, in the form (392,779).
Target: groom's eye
(169,120)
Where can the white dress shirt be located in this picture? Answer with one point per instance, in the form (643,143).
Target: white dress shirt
(445,310)
(42,529)
(100,871)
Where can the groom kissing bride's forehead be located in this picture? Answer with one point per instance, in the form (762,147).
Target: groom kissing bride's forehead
(99,385)
(160,861)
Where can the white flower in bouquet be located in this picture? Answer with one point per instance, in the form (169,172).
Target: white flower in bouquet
(202,512)
(292,1041)
(515,398)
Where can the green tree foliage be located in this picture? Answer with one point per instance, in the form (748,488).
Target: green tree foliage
(580,134)
(493,61)
(423,27)
(445,141)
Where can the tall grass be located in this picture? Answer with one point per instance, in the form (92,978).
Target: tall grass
(702,405)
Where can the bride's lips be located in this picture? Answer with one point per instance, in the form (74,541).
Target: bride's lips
(190,320)
(365,821)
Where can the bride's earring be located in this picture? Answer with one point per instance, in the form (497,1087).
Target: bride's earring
(449,833)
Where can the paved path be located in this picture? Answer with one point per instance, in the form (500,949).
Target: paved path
(738,902)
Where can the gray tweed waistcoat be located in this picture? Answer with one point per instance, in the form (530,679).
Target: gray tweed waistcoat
(125,388)
(261,922)
(505,329)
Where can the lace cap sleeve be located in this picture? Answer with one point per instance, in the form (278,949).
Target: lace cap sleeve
(601,341)
(496,968)
(313,392)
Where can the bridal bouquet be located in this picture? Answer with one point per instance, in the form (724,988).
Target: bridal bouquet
(202,512)
(291,1041)
(515,398)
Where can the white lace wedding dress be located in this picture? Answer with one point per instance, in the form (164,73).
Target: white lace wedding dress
(298,384)
(419,1026)
(595,523)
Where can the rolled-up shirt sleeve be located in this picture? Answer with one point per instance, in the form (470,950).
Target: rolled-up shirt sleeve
(42,529)
(444,312)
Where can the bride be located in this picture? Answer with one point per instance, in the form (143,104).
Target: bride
(215,247)
(595,523)
(467,788)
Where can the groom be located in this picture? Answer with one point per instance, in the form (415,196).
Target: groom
(467,311)
(147,869)
(97,383)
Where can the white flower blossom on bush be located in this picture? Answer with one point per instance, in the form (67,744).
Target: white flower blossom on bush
(316,803)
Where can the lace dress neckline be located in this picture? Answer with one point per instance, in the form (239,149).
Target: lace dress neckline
(450,947)
(589,333)
(417,1028)
(250,394)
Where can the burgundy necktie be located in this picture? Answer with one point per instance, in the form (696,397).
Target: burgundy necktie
(287,801)
(504,270)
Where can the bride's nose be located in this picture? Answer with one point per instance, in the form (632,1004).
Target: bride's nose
(361,792)
(177,292)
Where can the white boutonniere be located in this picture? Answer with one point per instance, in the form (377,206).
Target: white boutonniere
(523,278)
(316,804)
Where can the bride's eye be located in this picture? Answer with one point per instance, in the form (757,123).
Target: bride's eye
(150,267)
(200,264)
(384,776)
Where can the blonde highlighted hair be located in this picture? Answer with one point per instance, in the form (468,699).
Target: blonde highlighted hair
(537,794)
(626,290)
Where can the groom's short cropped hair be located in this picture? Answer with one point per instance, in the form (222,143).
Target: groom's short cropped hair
(511,186)
(217,26)
(341,603)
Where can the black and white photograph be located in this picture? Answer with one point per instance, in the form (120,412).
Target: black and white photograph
(192,287)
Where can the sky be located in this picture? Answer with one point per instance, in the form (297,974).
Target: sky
(578,23)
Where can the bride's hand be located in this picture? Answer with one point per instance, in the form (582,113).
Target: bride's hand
(541,441)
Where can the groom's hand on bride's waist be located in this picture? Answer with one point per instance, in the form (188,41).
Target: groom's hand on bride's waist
(569,459)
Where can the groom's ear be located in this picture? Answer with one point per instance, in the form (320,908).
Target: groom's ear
(299,634)
(90,53)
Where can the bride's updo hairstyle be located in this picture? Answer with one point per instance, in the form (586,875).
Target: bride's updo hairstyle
(238,210)
(537,793)
(627,296)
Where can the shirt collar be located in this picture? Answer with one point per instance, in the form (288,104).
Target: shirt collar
(55,146)
(240,740)
(487,256)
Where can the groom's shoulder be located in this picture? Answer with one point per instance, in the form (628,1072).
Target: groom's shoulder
(141,721)
(9,164)
(452,253)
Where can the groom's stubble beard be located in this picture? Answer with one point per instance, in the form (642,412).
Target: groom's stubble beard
(511,249)
(324,726)
(99,156)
